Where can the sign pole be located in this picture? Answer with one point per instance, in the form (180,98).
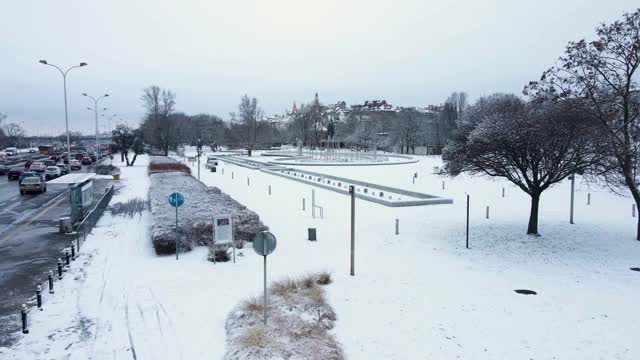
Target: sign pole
(353,228)
(265,284)
(573,182)
(467,221)
(177,241)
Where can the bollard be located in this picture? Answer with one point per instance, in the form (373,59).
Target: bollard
(222,171)
(414,180)
(487,215)
(248,183)
(589,199)
(59,269)
(66,257)
(269,189)
(303,207)
(39,297)
(50,282)
(73,251)
(442,184)
(397,226)
(633,210)
(232,175)
(23,312)
(78,244)
(502,192)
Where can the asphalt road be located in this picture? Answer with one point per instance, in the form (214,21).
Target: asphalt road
(29,245)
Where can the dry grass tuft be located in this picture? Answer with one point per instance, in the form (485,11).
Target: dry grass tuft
(255,337)
(285,287)
(324,278)
(252,305)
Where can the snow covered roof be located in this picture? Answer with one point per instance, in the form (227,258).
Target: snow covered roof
(73,178)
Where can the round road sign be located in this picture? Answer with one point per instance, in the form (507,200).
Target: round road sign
(264,243)
(176,199)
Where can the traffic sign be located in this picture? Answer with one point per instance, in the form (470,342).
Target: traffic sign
(264,243)
(176,199)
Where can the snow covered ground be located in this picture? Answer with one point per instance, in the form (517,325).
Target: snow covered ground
(416,295)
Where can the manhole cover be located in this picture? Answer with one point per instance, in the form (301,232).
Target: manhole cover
(526,292)
(635,268)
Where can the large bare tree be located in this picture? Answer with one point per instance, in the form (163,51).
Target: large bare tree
(158,126)
(533,145)
(250,113)
(602,73)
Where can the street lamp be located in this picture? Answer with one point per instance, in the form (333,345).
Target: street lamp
(66,114)
(95,109)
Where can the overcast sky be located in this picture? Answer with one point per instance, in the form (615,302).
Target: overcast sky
(211,52)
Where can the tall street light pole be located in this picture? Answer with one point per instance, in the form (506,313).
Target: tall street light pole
(95,109)
(66,113)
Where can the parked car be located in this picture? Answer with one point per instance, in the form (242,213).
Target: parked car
(49,163)
(93,157)
(15,173)
(11,151)
(86,160)
(32,150)
(33,184)
(64,170)
(37,167)
(52,172)
(4,169)
(75,165)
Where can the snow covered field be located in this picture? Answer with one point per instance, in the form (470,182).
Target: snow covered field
(416,295)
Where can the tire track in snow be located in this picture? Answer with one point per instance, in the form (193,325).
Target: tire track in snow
(133,348)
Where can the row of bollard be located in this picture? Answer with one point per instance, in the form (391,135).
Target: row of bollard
(68,256)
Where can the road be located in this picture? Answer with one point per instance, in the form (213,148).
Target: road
(29,244)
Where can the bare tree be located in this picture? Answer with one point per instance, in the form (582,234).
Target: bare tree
(3,138)
(533,145)
(249,113)
(602,73)
(14,133)
(408,130)
(301,123)
(158,126)
(317,119)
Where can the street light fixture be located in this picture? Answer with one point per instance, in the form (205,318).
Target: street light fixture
(95,109)
(66,113)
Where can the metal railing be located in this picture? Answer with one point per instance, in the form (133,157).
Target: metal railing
(89,221)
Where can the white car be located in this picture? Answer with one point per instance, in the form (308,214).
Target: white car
(37,167)
(11,151)
(52,172)
(75,165)
(32,150)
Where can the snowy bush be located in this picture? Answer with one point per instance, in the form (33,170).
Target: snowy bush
(130,208)
(196,215)
(106,169)
(298,322)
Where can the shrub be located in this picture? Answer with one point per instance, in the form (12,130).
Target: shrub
(324,278)
(284,287)
(299,320)
(168,167)
(131,207)
(220,255)
(105,169)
